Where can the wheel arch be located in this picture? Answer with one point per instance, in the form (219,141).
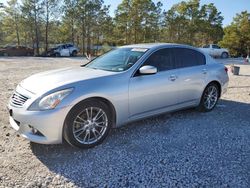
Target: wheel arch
(110,106)
(73,51)
(101,99)
(224,52)
(217,83)
(105,101)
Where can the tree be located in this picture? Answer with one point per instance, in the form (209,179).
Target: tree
(69,19)
(1,29)
(123,21)
(32,10)
(11,21)
(237,35)
(138,21)
(50,10)
(188,22)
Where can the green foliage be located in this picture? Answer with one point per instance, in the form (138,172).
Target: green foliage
(237,35)
(188,22)
(138,21)
(87,23)
(11,22)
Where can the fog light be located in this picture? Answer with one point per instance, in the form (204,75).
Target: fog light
(34,131)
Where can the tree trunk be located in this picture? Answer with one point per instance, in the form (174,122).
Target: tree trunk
(97,43)
(88,41)
(17,31)
(47,26)
(72,31)
(36,31)
(126,32)
(83,39)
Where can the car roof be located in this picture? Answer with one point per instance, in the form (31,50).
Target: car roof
(156,45)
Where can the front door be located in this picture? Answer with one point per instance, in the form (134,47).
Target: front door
(155,92)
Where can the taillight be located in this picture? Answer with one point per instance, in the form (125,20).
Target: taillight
(226,69)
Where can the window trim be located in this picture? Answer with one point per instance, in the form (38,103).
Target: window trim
(166,47)
(145,58)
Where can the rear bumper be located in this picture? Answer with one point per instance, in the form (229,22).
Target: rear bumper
(224,88)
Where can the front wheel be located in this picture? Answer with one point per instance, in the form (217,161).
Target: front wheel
(87,124)
(209,98)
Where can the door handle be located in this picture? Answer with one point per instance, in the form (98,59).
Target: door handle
(204,71)
(173,77)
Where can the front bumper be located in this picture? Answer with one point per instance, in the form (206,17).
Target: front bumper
(43,127)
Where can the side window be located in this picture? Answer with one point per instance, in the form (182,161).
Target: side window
(161,59)
(206,46)
(185,57)
(215,46)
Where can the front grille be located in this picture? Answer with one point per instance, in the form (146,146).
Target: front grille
(18,99)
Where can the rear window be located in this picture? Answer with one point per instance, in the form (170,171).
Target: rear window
(206,46)
(215,46)
(185,57)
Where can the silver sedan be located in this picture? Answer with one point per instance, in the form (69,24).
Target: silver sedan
(80,105)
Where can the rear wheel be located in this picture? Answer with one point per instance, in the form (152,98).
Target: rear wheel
(224,55)
(87,124)
(5,54)
(74,53)
(57,55)
(209,98)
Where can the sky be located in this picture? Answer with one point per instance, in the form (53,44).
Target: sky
(228,8)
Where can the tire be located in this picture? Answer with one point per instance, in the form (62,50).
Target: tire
(209,98)
(224,55)
(74,53)
(57,55)
(5,54)
(87,124)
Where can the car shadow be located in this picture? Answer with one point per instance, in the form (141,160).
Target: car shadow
(124,149)
(244,75)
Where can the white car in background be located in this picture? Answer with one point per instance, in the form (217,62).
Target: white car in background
(215,51)
(63,50)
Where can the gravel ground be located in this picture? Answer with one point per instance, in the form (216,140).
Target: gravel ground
(182,149)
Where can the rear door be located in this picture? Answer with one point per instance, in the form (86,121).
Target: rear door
(192,74)
(65,51)
(216,50)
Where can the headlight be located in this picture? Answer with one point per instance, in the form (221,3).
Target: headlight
(50,101)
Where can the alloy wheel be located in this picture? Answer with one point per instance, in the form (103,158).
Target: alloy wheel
(210,97)
(90,125)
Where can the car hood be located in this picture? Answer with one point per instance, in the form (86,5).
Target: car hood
(45,81)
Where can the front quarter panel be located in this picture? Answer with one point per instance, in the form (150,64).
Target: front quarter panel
(113,88)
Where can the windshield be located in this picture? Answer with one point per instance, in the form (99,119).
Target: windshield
(117,60)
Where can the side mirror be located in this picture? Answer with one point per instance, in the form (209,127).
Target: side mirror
(148,69)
